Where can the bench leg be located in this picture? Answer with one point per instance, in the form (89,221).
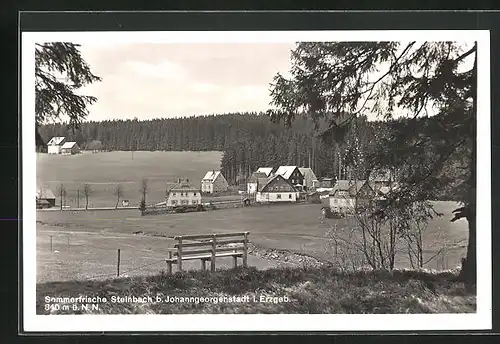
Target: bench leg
(203,266)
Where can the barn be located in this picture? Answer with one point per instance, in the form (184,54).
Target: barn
(70,148)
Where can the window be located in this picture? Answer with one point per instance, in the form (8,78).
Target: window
(290,196)
(278,196)
(194,193)
(173,193)
(195,202)
(174,202)
(182,193)
(293,181)
(184,202)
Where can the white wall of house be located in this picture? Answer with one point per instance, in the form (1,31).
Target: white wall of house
(218,185)
(275,197)
(53,149)
(178,197)
(251,188)
(207,186)
(342,203)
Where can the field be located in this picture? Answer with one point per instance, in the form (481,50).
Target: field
(77,251)
(104,170)
(87,242)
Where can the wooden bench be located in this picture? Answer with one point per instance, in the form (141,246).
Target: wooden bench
(208,247)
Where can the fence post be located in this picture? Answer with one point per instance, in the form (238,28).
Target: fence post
(179,253)
(169,262)
(118,264)
(212,262)
(245,249)
(51,244)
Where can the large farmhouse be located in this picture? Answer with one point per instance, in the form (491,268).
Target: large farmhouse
(54,144)
(276,189)
(292,174)
(70,148)
(183,194)
(214,182)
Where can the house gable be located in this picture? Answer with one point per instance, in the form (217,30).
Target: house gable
(278,184)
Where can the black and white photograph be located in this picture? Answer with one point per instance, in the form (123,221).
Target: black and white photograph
(256,180)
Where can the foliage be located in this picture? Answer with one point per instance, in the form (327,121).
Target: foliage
(87,191)
(336,82)
(60,71)
(118,192)
(310,291)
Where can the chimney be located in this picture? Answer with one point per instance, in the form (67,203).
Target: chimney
(179,180)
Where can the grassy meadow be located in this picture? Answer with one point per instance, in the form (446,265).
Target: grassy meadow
(95,236)
(272,291)
(77,250)
(106,169)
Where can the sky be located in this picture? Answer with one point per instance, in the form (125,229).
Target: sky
(162,80)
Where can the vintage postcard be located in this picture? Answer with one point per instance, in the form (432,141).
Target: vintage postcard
(256,181)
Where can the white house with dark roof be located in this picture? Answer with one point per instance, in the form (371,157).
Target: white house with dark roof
(70,148)
(214,182)
(54,144)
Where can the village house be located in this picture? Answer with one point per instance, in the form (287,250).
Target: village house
(214,182)
(70,148)
(275,189)
(54,144)
(253,182)
(348,196)
(310,179)
(45,198)
(327,183)
(292,174)
(183,193)
(266,170)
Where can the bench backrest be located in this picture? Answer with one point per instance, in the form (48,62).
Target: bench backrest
(192,245)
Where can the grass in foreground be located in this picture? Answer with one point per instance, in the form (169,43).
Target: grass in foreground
(287,290)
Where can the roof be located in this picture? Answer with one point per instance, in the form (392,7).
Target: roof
(183,187)
(271,179)
(266,170)
(211,175)
(56,140)
(68,145)
(261,182)
(307,172)
(352,186)
(256,176)
(45,193)
(286,171)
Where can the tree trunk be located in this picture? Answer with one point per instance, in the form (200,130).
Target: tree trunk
(469,265)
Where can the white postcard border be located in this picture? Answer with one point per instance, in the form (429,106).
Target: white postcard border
(258,322)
